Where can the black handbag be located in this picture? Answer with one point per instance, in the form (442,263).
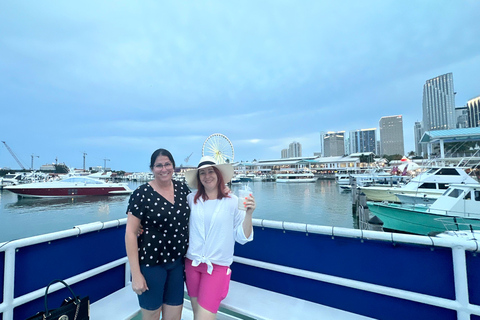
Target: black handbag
(72,308)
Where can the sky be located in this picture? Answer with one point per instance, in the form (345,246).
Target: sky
(117,80)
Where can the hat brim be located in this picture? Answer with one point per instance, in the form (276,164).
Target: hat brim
(225,169)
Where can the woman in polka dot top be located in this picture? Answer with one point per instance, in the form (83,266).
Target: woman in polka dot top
(160,207)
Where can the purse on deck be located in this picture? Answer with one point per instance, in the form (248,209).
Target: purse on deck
(72,308)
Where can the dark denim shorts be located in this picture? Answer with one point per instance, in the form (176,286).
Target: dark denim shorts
(165,285)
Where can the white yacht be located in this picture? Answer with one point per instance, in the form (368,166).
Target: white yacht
(431,183)
(296,177)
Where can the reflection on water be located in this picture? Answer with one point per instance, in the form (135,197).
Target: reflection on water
(24,217)
(321,203)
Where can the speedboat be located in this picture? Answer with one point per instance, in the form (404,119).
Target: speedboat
(431,183)
(11,179)
(70,187)
(457,209)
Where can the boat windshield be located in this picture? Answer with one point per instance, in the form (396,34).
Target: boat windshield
(455,193)
(82,180)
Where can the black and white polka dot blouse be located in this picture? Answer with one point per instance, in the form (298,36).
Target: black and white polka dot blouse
(165,225)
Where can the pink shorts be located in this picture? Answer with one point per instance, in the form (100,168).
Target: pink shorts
(209,289)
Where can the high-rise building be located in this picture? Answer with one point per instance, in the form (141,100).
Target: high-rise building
(333,144)
(294,150)
(363,140)
(461,115)
(473,107)
(439,103)
(417,131)
(391,135)
(284,153)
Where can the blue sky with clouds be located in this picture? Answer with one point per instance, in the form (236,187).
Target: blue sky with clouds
(119,79)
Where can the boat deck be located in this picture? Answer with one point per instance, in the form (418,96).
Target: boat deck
(345,273)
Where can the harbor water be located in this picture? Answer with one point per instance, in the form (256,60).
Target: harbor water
(321,203)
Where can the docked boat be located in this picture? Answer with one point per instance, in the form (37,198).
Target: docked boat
(70,187)
(11,179)
(417,198)
(457,209)
(245,177)
(342,179)
(432,183)
(296,177)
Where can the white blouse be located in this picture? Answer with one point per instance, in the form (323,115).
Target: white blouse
(215,245)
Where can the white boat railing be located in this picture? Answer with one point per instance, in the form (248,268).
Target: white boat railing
(460,304)
(10,248)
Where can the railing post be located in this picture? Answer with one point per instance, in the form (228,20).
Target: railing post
(461,282)
(9,282)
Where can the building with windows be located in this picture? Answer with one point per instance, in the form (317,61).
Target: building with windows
(333,144)
(391,135)
(284,153)
(363,140)
(439,103)
(461,115)
(418,131)
(294,150)
(473,112)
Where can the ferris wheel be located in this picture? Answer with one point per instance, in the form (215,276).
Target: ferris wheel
(219,147)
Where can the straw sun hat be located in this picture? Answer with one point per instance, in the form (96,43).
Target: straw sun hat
(225,168)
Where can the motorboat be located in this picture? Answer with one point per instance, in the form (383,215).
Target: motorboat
(342,179)
(70,187)
(432,183)
(296,177)
(370,178)
(417,198)
(457,209)
(11,179)
(245,177)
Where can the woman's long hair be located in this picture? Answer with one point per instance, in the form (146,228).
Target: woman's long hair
(220,187)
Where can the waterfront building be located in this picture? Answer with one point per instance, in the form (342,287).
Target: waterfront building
(391,135)
(284,153)
(294,150)
(473,109)
(325,167)
(333,144)
(440,137)
(363,140)
(439,103)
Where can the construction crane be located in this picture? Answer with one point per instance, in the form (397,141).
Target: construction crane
(187,158)
(13,155)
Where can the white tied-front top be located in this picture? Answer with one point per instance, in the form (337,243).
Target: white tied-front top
(215,245)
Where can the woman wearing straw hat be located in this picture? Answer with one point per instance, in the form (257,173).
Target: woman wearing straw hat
(215,224)
(156,257)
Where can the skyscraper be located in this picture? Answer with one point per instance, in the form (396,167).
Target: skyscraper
(333,144)
(391,135)
(439,103)
(417,131)
(473,107)
(363,140)
(294,150)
